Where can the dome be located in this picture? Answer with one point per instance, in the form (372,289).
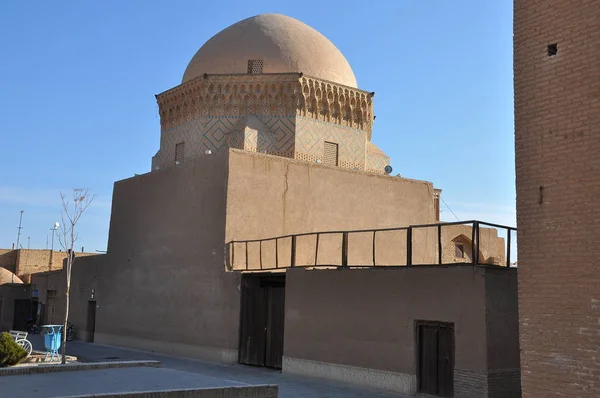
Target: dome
(282,43)
(8,277)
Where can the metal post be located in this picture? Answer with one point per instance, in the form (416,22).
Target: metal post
(232,254)
(276,252)
(508,247)
(409,247)
(19,229)
(317,249)
(344,249)
(476,224)
(439,238)
(478,240)
(246,255)
(260,253)
(473,252)
(293,252)
(374,262)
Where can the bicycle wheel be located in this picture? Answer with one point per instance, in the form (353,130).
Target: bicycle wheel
(70,335)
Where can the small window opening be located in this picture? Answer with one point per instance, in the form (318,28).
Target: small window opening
(552,49)
(255,66)
(179,152)
(460,250)
(330,153)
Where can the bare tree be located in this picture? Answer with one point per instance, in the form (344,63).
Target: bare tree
(72,210)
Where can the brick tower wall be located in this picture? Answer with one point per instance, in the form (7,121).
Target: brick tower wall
(557,140)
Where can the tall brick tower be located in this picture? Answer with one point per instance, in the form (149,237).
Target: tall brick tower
(557,139)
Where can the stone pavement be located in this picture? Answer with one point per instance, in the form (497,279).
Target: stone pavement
(190,373)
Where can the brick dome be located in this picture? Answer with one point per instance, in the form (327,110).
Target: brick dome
(8,277)
(275,44)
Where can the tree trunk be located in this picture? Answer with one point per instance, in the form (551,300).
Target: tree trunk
(66,318)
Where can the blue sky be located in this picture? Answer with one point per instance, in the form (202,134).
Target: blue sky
(78,79)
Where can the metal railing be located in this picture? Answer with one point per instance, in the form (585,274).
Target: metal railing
(283,250)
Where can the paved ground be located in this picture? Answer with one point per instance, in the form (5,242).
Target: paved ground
(104,381)
(182,372)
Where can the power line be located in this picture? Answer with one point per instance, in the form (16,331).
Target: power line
(443,201)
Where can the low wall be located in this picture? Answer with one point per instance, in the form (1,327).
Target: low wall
(359,325)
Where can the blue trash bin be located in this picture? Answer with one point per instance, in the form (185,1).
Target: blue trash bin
(52,340)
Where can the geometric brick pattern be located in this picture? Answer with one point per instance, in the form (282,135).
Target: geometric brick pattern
(376,162)
(312,134)
(285,114)
(213,132)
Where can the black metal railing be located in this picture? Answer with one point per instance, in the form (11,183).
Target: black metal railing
(413,245)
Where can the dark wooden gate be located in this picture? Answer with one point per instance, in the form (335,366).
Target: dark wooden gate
(436,358)
(90,326)
(21,314)
(262,320)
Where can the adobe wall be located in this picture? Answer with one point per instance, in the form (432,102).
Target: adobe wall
(31,261)
(8,294)
(359,325)
(52,280)
(8,259)
(557,140)
(162,284)
(270,196)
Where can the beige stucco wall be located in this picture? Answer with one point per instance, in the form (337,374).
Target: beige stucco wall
(492,248)
(270,196)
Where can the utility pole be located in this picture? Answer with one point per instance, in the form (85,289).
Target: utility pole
(53,229)
(19,229)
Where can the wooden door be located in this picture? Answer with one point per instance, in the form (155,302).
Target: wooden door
(22,312)
(262,321)
(445,360)
(436,358)
(253,337)
(275,322)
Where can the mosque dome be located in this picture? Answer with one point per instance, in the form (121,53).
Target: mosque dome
(283,44)
(8,277)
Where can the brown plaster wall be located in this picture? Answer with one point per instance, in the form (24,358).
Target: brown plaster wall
(163,276)
(557,140)
(502,320)
(8,294)
(366,318)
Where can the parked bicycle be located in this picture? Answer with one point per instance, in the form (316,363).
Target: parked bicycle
(70,332)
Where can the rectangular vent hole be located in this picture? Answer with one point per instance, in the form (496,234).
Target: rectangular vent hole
(255,66)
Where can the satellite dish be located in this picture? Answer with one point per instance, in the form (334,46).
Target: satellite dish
(388,169)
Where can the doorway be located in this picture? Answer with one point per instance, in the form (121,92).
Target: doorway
(21,314)
(435,360)
(90,325)
(262,320)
